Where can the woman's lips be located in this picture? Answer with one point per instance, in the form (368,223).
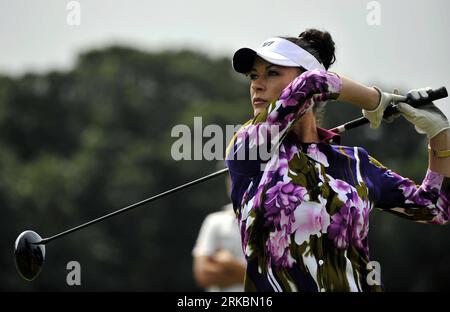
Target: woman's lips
(259,101)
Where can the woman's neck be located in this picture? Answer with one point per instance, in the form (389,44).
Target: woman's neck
(305,129)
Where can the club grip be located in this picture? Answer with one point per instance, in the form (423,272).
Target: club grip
(433,95)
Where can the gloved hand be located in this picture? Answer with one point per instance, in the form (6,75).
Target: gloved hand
(375,116)
(427,119)
(394,116)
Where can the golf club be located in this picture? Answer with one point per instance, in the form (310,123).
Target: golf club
(29,248)
(433,95)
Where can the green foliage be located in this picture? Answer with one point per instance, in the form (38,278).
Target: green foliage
(79,144)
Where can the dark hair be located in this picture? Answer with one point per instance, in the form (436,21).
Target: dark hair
(321,45)
(318,43)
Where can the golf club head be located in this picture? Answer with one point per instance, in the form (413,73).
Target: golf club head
(29,254)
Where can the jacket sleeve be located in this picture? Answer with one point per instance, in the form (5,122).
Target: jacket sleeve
(426,203)
(255,141)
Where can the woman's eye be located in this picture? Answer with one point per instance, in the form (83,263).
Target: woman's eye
(272,73)
(253,76)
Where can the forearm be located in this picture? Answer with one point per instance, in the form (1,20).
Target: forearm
(220,278)
(229,272)
(294,100)
(439,143)
(359,95)
(217,278)
(206,271)
(209,272)
(236,270)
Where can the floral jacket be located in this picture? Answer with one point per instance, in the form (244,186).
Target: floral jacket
(304,212)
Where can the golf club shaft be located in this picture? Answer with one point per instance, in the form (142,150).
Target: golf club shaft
(433,95)
(145,201)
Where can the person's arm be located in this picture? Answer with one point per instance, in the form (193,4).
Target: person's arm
(308,88)
(426,203)
(278,118)
(371,100)
(205,246)
(430,120)
(221,270)
(213,266)
(441,142)
(359,95)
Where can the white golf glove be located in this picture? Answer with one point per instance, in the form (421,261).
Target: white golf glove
(375,116)
(427,119)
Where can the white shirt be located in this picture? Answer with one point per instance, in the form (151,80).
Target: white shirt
(220,231)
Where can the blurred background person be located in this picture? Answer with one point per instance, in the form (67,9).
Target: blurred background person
(218,260)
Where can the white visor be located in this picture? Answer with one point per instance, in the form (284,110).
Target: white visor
(277,51)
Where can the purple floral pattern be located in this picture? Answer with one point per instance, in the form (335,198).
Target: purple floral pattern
(351,224)
(303,200)
(314,152)
(311,218)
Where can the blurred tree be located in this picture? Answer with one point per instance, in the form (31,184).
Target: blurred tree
(77,145)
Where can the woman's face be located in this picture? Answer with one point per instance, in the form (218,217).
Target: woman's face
(267,82)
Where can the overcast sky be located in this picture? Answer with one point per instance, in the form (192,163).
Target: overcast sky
(408,49)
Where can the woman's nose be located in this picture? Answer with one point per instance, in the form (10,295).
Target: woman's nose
(258,84)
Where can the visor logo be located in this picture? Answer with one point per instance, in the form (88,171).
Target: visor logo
(267,43)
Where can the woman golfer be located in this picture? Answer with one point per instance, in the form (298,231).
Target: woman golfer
(304,212)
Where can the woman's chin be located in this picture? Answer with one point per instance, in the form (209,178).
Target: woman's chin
(258,110)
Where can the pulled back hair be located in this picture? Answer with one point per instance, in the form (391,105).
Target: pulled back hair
(321,46)
(318,43)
